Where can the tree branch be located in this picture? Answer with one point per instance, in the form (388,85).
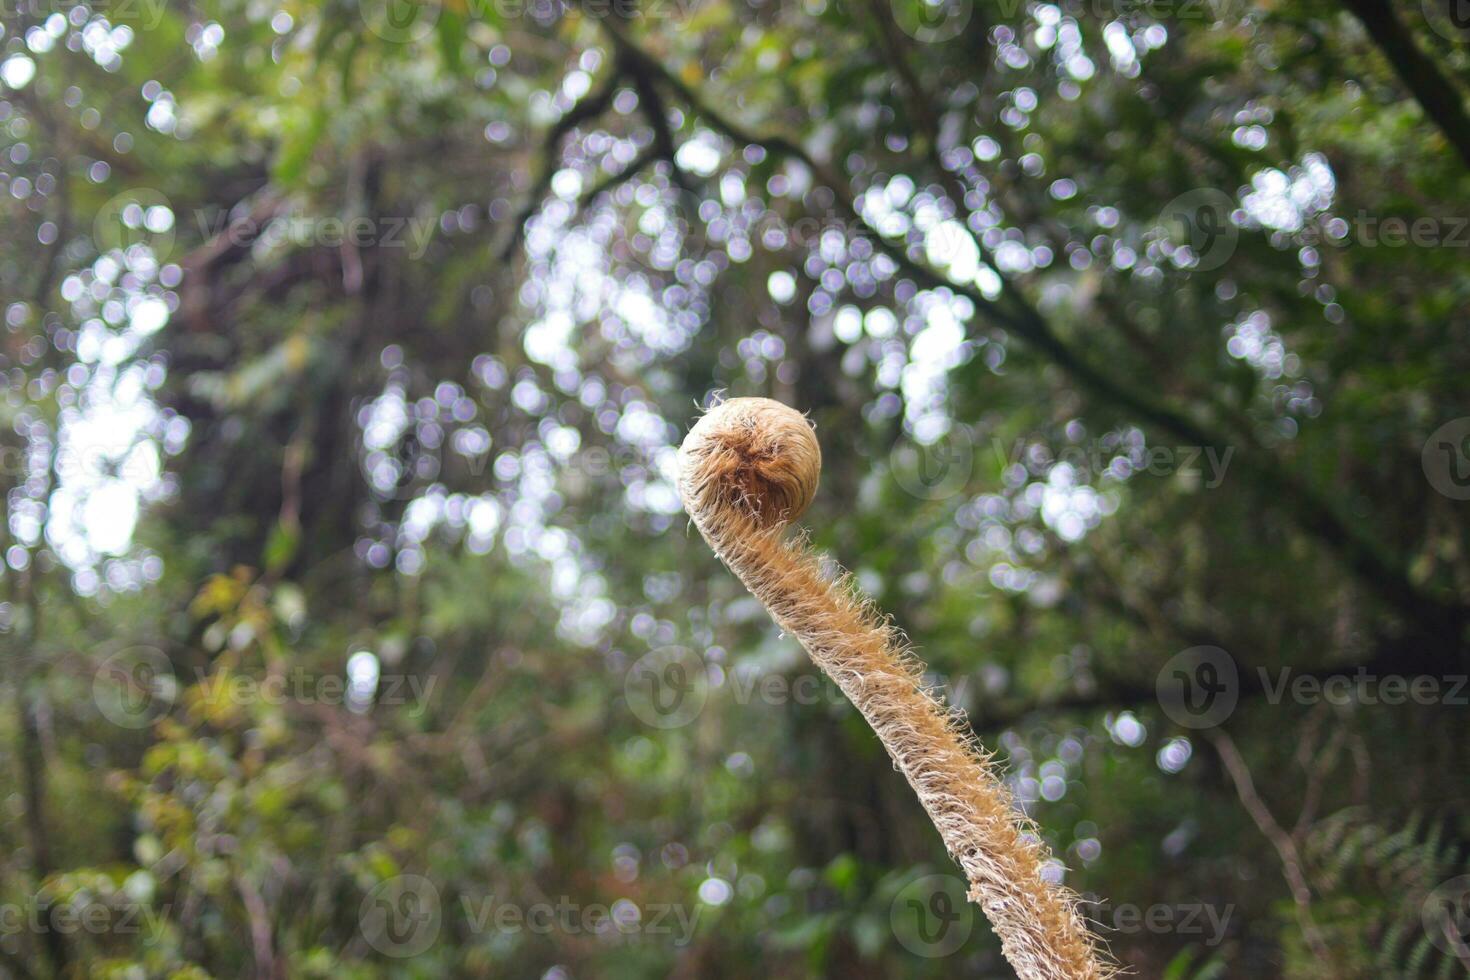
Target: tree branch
(1286,850)
(612,182)
(1251,682)
(588,108)
(29,708)
(1436,94)
(1315,513)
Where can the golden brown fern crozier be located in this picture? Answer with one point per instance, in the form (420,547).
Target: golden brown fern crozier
(748,468)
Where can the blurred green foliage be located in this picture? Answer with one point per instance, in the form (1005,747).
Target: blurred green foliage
(348,344)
